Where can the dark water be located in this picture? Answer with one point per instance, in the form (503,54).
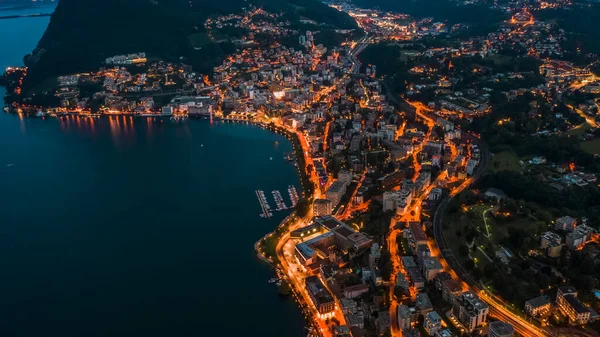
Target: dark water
(122,227)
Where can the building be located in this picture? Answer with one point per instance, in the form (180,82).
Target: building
(322,207)
(440,278)
(470,310)
(565,223)
(579,236)
(408,262)
(416,278)
(382,323)
(570,306)
(404,317)
(444,333)
(349,306)
(335,192)
(432,323)
(538,307)
(501,329)
(320,296)
(436,194)
(356,290)
(342,331)
(550,242)
(345,176)
(451,289)
(423,304)
(431,267)
(344,236)
(307,252)
(389,201)
(415,235)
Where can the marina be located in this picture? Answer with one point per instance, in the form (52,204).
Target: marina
(281,206)
(293,195)
(264,204)
(266,210)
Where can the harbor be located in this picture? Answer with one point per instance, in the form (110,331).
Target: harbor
(264,204)
(266,210)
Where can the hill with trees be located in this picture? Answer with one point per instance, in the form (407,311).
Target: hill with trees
(81,34)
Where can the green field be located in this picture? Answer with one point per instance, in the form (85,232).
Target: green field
(591,146)
(471,218)
(505,161)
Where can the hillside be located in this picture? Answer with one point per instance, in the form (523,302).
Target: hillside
(479,16)
(81,34)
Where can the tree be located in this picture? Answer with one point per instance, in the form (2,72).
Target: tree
(489,270)
(463,249)
(302,207)
(469,264)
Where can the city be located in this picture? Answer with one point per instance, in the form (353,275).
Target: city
(448,179)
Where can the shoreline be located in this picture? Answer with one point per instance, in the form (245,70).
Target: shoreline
(39,15)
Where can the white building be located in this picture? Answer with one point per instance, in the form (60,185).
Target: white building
(470,310)
(565,223)
(432,322)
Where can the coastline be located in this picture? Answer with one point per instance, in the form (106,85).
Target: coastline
(24,16)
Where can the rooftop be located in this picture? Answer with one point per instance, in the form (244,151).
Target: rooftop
(432,263)
(502,328)
(452,285)
(417,231)
(576,304)
(423,301)
(433,317)
(470,299)
(538,302)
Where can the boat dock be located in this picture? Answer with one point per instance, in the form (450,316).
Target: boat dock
(264,204)
(267,212)
(279,201)
(293,195)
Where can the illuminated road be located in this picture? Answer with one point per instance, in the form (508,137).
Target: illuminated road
(295,273)
(438,245)
(412,214)
(588,119)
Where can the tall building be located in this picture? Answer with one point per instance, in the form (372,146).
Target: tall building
(501,329)
(470,310)
(345,176)
(322,207)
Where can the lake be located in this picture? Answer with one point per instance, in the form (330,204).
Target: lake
(132,227)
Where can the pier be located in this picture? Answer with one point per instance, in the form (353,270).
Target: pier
(264,204)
